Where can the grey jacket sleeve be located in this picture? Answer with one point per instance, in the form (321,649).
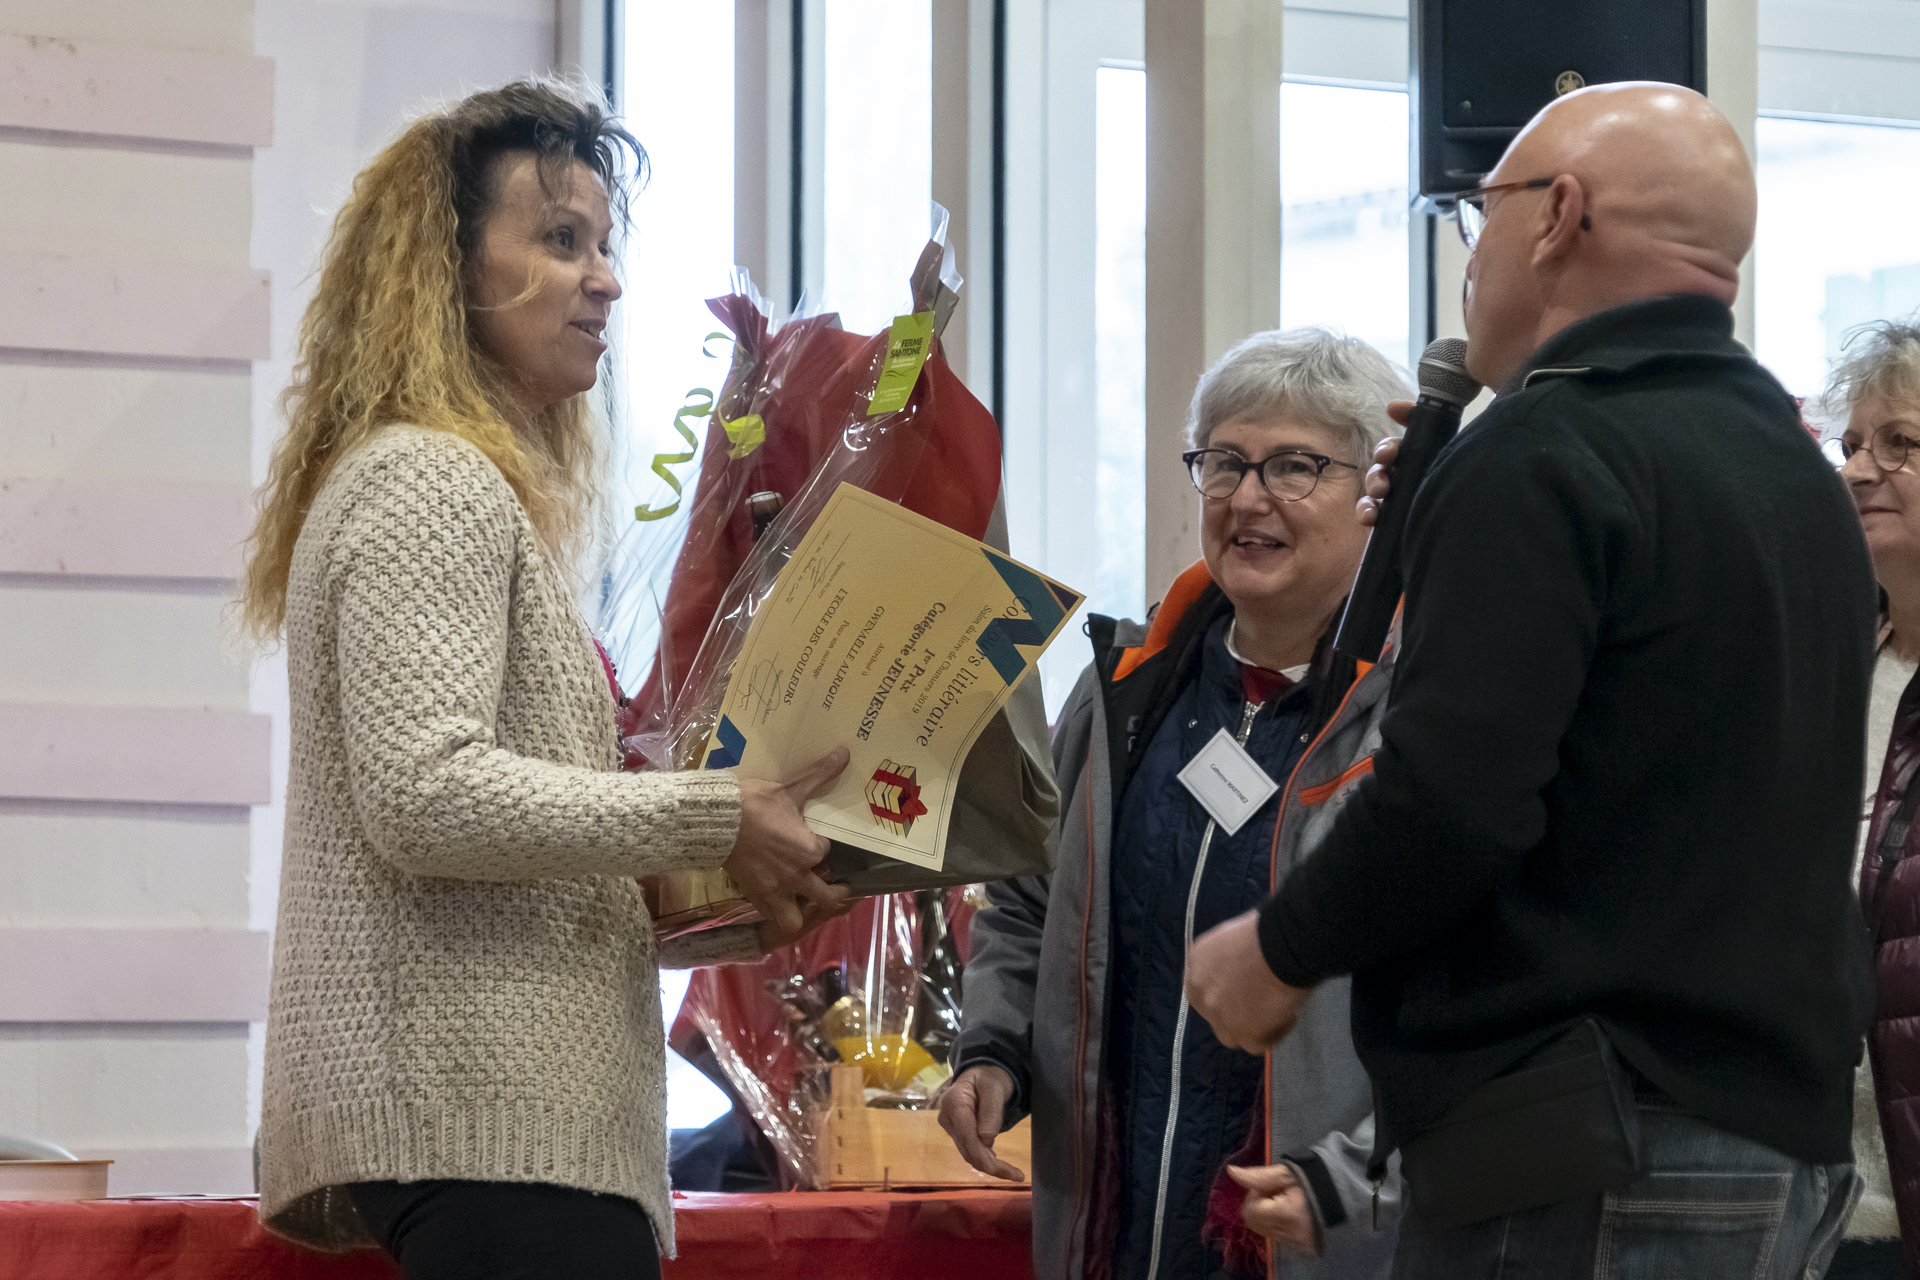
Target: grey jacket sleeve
(997,993)
(1003,969)
(1334,1173)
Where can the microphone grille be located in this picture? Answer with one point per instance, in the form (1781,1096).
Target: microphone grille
(1443,372)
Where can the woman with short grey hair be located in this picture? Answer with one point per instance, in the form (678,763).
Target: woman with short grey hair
(1339,382)
(1877,392)
(1074,1003)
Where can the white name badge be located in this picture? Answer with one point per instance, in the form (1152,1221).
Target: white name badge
(1229,784)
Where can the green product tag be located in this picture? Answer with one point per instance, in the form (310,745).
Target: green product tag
(744,435)
(907,345)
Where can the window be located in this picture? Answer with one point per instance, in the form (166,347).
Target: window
(1343,221)
(676,88)
(1074,291)
(677,97)
(1835,246)
(878,153)
(1118,588)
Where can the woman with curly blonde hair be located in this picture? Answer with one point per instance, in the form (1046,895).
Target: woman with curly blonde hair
(464,1052)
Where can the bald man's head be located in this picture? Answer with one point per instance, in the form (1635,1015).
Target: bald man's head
(1652,194)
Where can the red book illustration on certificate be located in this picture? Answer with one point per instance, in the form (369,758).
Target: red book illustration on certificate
(893,794)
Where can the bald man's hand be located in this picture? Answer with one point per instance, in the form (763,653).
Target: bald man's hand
(1380,474)
(1230,985)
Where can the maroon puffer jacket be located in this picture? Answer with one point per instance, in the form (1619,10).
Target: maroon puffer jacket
(1893,1043)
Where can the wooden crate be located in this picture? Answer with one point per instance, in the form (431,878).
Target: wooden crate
(862,1146)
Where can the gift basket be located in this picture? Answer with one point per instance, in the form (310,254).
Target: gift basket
(806,407)
(838,1043)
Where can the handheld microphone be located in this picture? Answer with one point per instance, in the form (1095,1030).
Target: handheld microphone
(1445,389)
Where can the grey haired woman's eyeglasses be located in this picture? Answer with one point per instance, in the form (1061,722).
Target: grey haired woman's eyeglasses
(1289,475)
(1888,446)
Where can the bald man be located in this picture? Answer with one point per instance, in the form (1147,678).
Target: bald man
(1610,818)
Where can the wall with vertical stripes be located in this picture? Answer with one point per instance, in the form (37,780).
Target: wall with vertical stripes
(130,314)
(171,171)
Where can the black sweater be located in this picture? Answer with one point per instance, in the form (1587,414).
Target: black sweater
(1621,766)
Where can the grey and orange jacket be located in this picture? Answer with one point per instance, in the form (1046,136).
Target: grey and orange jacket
(1039,977)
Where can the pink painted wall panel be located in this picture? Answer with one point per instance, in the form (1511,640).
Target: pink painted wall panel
(122,528)
(158,755)
(125,91)
(185,310)
(133,975)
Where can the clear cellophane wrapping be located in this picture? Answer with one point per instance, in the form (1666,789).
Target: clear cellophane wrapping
(810,384)
(878,988)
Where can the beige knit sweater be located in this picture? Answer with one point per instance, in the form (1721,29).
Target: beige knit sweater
(465,975)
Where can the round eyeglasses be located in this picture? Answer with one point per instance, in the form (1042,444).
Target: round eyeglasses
(1289,475)
(1888,446)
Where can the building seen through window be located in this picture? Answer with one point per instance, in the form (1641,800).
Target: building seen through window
(1343,217)
(1835,247)
(1118,588)
(878,153)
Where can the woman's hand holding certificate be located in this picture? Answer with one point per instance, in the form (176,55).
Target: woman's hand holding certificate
(775,854)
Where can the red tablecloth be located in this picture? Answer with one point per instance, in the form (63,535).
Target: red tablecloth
(957,1235)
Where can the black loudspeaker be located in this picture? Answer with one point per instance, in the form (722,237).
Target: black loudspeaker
(1482,68)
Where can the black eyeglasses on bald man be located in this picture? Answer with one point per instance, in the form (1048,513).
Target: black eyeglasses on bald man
(1470,207)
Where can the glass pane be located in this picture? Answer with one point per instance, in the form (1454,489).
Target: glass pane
(677,77)
(1343,223)
(878,155)
(1120,341)
(693,1101)
(677,97)
(1835,246)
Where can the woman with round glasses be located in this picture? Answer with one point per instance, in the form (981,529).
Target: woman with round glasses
(1879,391)
(1177,743)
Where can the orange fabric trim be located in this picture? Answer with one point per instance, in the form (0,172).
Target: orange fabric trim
(1186,589)
(1314,795)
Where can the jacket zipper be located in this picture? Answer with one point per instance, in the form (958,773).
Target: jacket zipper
(1554,373)
(1247,712)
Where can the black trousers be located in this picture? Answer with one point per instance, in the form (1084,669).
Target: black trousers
(507,1231)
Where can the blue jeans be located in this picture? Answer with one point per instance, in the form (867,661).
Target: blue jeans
(1706,1206)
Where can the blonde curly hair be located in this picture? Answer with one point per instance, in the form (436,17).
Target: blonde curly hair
(386,338)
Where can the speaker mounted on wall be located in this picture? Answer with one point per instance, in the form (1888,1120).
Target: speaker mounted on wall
(1482,68)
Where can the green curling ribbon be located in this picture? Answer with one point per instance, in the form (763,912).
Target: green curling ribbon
(693,408)
(699,405)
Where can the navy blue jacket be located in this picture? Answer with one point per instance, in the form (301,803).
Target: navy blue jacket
(1156,852)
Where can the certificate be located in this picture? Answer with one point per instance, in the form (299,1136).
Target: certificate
(898,638)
